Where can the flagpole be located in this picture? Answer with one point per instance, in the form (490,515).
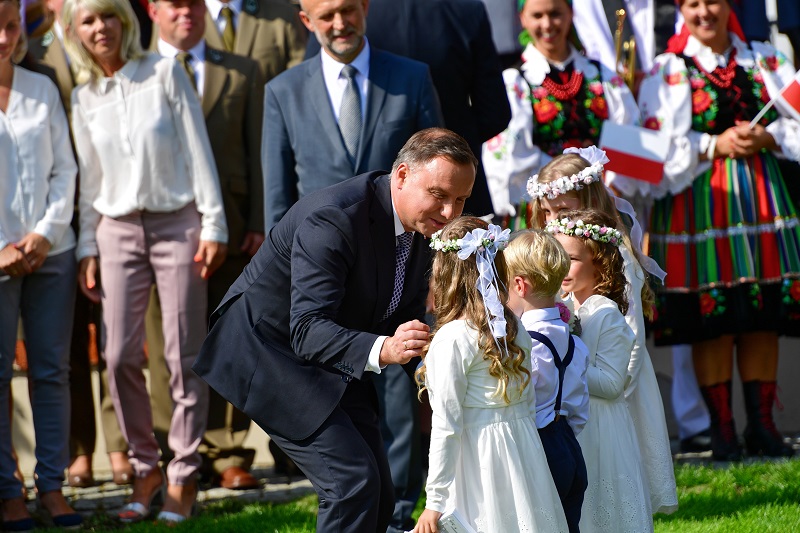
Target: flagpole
(763,111)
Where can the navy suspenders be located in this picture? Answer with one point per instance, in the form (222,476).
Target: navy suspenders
(561,365)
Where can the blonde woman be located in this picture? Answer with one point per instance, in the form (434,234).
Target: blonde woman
(150,212)
(37,269)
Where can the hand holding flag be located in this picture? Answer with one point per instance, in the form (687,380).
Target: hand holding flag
(789,98)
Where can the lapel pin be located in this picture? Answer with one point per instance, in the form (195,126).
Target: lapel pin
(48,38)
(251,7)
(214,55)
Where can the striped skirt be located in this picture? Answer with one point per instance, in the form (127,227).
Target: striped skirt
(731,247)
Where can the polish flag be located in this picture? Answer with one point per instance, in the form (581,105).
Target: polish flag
(790,97)
(634,152)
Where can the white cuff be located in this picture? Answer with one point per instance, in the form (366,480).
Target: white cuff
(374,360)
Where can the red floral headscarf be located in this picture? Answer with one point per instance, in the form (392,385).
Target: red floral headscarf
(677,42)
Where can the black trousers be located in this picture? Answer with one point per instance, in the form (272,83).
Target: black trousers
(346,462)
(565,458)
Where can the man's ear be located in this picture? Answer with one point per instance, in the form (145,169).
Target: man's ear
(306,21)
(402,174)
(152,9)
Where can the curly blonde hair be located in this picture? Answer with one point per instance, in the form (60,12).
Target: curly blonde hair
(453,284)
(607,260)
(591,196)
(83,64)
(537,256)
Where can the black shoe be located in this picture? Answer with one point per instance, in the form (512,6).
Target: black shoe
(700,442)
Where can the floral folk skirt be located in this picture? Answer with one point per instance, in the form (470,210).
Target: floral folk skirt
(731,247)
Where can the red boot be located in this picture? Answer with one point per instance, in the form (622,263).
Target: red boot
(761,436)
(724,444)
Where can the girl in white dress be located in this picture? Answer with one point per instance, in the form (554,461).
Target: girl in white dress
(574,180)
(486,459)
(617,499)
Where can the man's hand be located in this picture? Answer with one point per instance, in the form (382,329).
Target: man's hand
(35,247)
(252,242)
(87,279)
(211,254)
(407,342)
(13,261)
(428,522)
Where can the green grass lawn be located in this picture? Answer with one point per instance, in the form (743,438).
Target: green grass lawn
(748,498)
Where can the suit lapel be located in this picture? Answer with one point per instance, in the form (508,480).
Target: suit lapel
(212,36)
(318,94)
(376,96)
(215,78)
(245,34)
(383,244)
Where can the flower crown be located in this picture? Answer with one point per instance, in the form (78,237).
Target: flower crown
(576,182)
(577,228)
(492,239)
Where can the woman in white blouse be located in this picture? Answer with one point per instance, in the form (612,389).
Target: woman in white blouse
(37,186)
(150,211)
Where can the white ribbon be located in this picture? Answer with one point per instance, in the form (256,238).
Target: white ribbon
(485,243)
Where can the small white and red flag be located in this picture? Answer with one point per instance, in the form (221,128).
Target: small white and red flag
(634,152)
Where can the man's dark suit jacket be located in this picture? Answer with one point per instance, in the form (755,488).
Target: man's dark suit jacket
(454,38)
(299,323)
(303,150)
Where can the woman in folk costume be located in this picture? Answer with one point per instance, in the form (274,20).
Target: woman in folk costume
(723,225)
(559,99)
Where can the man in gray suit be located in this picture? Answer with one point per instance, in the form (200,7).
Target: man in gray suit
(321,126)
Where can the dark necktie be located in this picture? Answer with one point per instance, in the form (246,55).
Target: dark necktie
(229,33)
(185,59)
(350,113)
(401,253)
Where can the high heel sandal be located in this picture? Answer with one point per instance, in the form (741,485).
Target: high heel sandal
(170,517)
(134,512)
(21,524)
(80,480)
(71,520)
(123,475)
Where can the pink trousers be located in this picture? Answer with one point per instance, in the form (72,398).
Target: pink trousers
(135,251)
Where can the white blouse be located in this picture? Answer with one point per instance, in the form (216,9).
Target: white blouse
(37,168)
(142,146)
(665,101)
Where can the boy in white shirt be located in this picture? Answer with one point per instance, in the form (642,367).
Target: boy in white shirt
(536,265)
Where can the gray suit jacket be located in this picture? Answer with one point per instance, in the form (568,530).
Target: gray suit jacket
(302,148)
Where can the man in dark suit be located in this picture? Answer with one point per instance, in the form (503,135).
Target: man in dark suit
(231,94)
(454,38)
(333,296)
(306,146)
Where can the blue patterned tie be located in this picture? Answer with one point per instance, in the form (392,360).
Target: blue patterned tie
(350,113)
(401,253)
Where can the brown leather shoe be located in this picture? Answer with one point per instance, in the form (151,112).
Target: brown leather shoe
(236,478)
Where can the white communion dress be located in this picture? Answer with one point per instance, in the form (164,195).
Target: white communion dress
(617,499)
(486,459)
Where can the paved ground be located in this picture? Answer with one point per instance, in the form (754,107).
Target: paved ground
(107,497)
